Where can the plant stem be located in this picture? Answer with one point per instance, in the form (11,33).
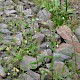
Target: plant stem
(66,5)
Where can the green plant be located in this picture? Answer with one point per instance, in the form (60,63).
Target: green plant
(59,11)
(17,25)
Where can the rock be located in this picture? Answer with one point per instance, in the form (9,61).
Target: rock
(50,24)
(44,15)
(5,59)
(10,7)
(24,76)
(27,12)
(65,32)
(1,78)
(35,9)
(58,67)
(9,12)
(29,76)
(30,2)
(70,38)
(25,1)
(45,24)
(47,77)
(67,78)
(26,63)
(77,33)
(5,31)
(65,49)
(62,2)
(2,25)
(2,0)
(8,2)
(39,37)
(47,32)
(78,61)
(6,41)
(44,45)
(76,77)
(8,37)
(29,62)
(1,13)
(76,47)
(57,37)
(44,54)
(29,17)
(19,38)
(34,75)
(60,57)
(2,73)
(34,25)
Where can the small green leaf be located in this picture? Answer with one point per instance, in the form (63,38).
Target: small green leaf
(2,47)
(70,10)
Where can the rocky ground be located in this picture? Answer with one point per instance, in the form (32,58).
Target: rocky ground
(29,45)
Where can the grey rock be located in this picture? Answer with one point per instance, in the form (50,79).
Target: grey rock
(29,76)
(5,31)
(58,67)
(50,24)
(34,25)
(60,57)
(77,33)
(2,0)
(1,13)
(34,75)
(3,25)
(44,45)
(19,38)
(35,9)
(47,32)
(28,18)
(2,73)
(65,49)
(56,36)
(9,7)
(43,56)
(31,3)
(38,37)
(8,2)
(26,63)
(67,78)
(9,12)
(44,15)
(24,76)
(66,33)
(6,41)
(8,37)
(25,1)
(27,12)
